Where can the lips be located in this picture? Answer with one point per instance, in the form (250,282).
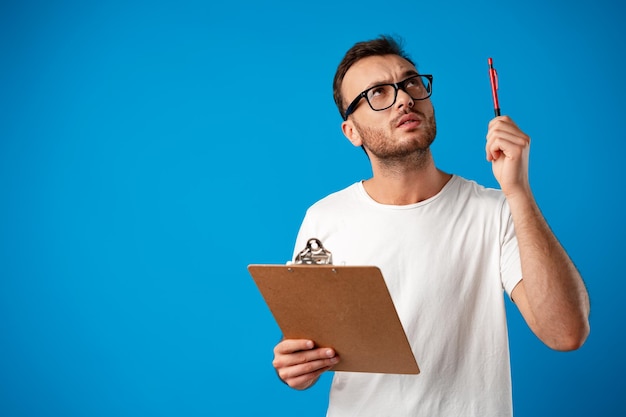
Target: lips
(409,120)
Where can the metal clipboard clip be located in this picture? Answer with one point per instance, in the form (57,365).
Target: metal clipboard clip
(314,254)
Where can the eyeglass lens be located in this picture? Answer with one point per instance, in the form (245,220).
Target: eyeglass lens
(383,96)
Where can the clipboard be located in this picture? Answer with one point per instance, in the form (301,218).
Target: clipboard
(348,308)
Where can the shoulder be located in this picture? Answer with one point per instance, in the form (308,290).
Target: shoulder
(339,198)
(477,200)
(473,190)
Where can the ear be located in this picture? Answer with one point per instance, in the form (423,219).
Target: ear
(350,132)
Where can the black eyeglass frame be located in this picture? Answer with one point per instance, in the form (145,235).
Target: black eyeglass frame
(397,86)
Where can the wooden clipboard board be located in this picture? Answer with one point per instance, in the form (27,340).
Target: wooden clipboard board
(347,308)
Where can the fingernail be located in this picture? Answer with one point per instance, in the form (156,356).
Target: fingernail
(330,353)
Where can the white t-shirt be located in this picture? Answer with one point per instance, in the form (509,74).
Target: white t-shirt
(446,262)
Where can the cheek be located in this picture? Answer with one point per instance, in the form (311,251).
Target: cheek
(425,107)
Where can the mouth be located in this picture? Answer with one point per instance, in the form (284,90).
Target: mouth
(409,121)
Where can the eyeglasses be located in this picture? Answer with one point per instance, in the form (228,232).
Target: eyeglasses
(383,96)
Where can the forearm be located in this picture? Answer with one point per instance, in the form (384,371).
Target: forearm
(557,301)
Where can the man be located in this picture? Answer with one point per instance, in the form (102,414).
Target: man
(446,246)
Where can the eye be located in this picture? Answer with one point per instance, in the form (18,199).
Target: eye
(381,96)
(414,83)
(377,91)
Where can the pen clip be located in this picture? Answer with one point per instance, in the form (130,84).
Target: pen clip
(493,75)
(495,78)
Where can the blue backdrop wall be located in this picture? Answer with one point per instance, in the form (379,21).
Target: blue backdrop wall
(149,151)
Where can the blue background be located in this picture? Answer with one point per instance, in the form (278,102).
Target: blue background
(149,151)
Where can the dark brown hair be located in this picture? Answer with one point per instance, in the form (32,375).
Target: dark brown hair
(383,45)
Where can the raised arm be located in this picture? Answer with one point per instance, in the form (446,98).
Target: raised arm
(551,296)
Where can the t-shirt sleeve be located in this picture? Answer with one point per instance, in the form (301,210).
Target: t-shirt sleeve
(510,264)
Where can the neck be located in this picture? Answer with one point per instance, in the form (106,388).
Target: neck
(405,181)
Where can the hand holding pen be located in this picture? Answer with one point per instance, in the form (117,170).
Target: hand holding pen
(493,76)
(507,147)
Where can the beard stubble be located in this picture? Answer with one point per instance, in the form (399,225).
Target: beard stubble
(389,152)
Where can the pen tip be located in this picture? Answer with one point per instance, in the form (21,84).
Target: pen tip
(490,61)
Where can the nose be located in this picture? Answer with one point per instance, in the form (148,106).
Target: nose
(403,99)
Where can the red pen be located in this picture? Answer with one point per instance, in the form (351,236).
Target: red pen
(493,76)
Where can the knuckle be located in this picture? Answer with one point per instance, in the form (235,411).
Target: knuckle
(302,357)
(310,367)
(282,374)
(293,383)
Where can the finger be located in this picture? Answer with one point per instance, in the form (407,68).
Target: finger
(498,147)
(307,369)
(513,136)
(502,120)
(293,345)
(300,357)
(304,381)
(504,124)
(500,139)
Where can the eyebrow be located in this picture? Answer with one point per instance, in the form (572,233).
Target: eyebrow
(406,74)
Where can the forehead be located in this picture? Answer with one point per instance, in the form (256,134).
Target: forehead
(372,70)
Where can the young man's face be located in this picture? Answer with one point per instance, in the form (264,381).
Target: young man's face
(405,127)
